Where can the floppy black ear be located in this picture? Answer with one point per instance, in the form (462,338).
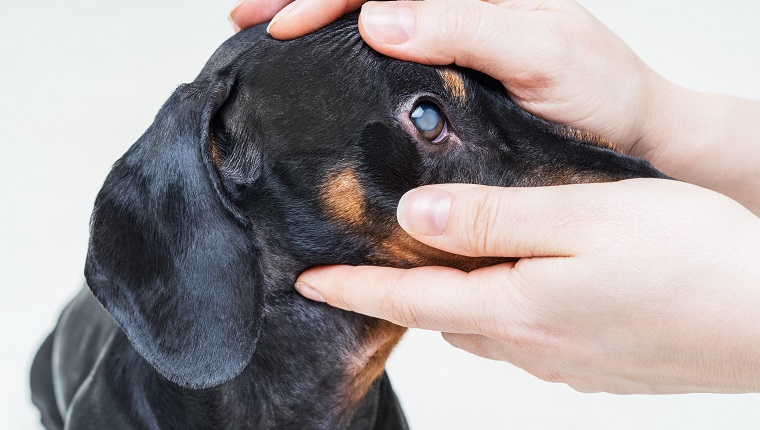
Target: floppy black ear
(170,256)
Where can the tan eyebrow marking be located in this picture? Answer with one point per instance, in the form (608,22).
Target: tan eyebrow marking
(585,137)
(343,197)
(454,84)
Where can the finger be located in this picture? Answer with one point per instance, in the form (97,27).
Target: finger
(477,344)
(456,31)
(248,13)
(433,298)
(304,16)
(476,220)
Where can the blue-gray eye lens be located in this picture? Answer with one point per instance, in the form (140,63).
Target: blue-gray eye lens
(430,122)
(426,117)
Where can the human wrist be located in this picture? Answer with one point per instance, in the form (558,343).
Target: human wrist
(705,139)
(672,131)
(661,120)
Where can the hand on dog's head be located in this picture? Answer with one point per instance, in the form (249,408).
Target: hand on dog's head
(286,155)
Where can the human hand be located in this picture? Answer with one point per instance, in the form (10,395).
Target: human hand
(554,57)
(639,286)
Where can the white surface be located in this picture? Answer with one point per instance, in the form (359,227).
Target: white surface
(82,79)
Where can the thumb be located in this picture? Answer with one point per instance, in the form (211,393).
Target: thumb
(480,35)
(558,221)
(433,298)
(487,221)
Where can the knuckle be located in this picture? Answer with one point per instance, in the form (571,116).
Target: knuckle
(397,311)
(583,387)
(481,348)
(451,18)
(550,375)
(342,293)
(491,324)
(481,223)
(453,23)
(396,307)
(340,296)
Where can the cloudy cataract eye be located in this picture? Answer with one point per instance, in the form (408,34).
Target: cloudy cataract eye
(428,119)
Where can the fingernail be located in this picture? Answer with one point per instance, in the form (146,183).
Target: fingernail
(387,22)
(424,211)
(308,291)
(234,25)
(283,12)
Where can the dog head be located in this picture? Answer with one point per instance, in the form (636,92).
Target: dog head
(286,155)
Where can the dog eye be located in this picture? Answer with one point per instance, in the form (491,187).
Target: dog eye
(430,122)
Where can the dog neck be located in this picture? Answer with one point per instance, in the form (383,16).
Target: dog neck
(321,363)
(314,366)
(316,376)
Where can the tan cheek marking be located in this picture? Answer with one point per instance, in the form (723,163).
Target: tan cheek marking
(454,84)
(343,197)
(401,249)
(398,249)
(381,337)
(585,137)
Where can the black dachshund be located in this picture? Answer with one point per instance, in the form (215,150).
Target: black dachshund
(280,156)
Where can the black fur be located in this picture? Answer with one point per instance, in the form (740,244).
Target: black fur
(202,226)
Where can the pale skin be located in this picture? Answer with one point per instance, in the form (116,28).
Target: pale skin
(638,286)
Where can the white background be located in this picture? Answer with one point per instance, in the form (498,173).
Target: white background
(80,80)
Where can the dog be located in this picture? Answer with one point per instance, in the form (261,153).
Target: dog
(280,156)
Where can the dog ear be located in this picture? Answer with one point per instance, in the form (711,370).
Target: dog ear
(170,256)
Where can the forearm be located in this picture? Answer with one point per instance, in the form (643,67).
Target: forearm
(710,140)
